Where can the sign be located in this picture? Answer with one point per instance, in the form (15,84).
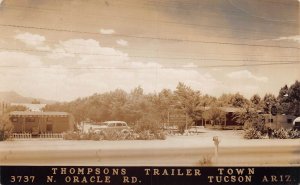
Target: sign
(175,175)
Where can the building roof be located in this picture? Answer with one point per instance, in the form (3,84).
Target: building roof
(114,122)
(33,113)
(226,109)
(31,106)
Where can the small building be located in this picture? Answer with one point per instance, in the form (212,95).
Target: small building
(279,121)
(41,122)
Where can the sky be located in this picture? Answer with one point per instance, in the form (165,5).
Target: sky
(62,50)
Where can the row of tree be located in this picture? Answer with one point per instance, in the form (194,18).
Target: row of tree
(136,105)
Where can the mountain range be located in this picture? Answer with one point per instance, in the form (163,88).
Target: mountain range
(13,97)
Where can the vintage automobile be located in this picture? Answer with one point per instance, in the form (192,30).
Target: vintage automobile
(107,126)
(296,123)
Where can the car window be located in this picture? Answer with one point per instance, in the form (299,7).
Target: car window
(119,124)
(111,124)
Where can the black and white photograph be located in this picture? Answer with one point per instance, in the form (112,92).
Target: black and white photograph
(150,83)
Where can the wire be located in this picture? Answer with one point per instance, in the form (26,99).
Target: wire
(155,68)
(138,56)
(242,30)
(152,38)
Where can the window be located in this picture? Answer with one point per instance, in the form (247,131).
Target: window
(120,124)
(289,120)
(111,125)
(15,120)
(48,119)
(30,120)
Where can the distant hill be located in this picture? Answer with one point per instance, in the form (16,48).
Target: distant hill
(13,97)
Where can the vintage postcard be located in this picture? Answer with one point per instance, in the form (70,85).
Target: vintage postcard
(149,92)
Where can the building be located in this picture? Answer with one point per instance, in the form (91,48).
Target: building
(41,122)
(225,118)
(279,121)
(227,121)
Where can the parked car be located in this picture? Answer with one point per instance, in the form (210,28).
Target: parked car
(113,126)
(296,123)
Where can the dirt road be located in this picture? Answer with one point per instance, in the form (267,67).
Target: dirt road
(175,150)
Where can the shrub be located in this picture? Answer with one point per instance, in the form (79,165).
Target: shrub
(160,135)
(2,135)
(206,160)
(72,136)
(294,134)
(252,134)
(280,133)
(145,135)
(5,129)
(147,124)
(113,135)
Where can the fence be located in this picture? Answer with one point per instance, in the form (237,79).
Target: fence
(21,135)
(42,135)
(51,135)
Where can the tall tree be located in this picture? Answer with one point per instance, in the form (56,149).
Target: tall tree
(289,99)
(256,102)
(189,101)
(269,100)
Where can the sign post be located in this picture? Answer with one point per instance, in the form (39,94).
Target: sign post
(216,143)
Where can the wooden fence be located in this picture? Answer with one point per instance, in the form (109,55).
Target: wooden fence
(21,135)
(51,135)
(42,135)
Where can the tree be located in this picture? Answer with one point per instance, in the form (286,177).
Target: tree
(234,100)
(249,117)
(189,101)
(289,99)
(238,100)
(268,101)
(164,103)
(255,99)
(215,115)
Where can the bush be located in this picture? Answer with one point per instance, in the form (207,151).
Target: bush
(147,124)
(252,134)
(160,135)
(5,129)
(206,160)
(2,135)
(294,134)
(280,134)
(115,135)
(72,136)
(145,135)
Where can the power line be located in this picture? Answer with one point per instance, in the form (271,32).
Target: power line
(153,68)
(139,56)
(242,30)
(85,46)
(152,38)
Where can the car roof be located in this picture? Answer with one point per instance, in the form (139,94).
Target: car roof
(297,119)
(114,122)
